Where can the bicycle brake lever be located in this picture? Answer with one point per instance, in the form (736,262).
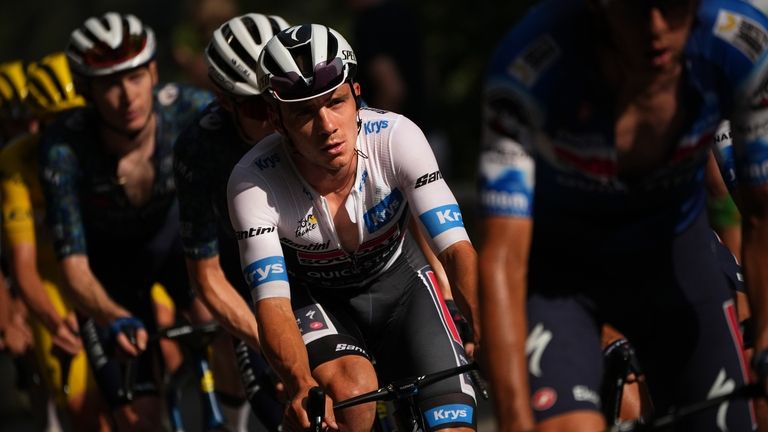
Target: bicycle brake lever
(316,409)
(129,373)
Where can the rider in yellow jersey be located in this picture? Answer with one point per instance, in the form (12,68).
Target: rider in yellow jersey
(33,262)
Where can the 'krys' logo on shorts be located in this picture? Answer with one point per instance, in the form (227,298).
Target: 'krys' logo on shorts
(265,270)
(441,219)
(453,413)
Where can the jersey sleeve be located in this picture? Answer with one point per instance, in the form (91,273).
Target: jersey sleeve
(510,118)
(198,220)
(255,220)
(738,45)
(60,176)
(428,194)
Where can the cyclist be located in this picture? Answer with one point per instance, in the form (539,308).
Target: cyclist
(57,345)
(320,210)
(617,213)
(15,116)
(204,156)
(107,176)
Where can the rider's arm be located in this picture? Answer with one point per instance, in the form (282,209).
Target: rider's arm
(19,230)
(750,150)
(251,205)
(506,195)
(88,293)
(435,207)
(282,344)
(503,272)
(222,299)
(59,180)
(460,263)
(200,236)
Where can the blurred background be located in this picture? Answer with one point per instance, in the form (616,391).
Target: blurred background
(434,51)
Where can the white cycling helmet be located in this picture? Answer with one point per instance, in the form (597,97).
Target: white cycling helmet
(305,61)
(109,44)
(233,52)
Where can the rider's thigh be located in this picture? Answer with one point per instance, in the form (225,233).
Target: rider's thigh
(565,361)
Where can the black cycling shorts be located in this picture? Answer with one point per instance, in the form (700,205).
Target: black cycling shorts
(401,321)
(673,303)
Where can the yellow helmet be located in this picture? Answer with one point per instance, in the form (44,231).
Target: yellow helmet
(13,90)
(50,84)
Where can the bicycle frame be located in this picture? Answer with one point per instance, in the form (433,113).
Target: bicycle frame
(195,339)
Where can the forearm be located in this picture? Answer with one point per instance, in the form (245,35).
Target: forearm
(503,322)
(31,286)
(282,344)
(460,264)
(88,293)
(223,300)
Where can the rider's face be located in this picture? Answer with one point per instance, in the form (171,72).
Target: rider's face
(323,130)
(650,33)
(124,100)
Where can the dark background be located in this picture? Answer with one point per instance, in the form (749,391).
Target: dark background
(459,37)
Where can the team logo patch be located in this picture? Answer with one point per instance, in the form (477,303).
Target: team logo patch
(747,35)
(441,219)
(265,270)
(383,212)
(538,56)
(544,399)
(453,413)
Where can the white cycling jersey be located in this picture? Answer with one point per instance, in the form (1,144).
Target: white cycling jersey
(284,227)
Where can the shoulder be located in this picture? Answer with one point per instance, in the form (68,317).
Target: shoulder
(375,121)
(266,159)
(731,32)
(207,128)
(528,66)
(71,130)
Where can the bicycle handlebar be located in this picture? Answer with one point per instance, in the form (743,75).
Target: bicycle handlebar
(664,422)
(406,387)
(181,331)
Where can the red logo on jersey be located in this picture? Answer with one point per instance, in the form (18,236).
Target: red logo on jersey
(544,398)
(315,325)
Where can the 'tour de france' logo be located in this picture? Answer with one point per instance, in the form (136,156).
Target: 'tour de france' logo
(307,224)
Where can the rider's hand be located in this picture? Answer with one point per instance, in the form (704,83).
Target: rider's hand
(120,328)
(17,337)
(466,332)
(296,418)
(66,336)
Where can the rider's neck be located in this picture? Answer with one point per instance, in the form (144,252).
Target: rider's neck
(120,142)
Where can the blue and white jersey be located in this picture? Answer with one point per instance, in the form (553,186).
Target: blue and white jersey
(286,232)
(549,127)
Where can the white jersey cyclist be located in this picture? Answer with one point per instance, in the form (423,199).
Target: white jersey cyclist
(286,233)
